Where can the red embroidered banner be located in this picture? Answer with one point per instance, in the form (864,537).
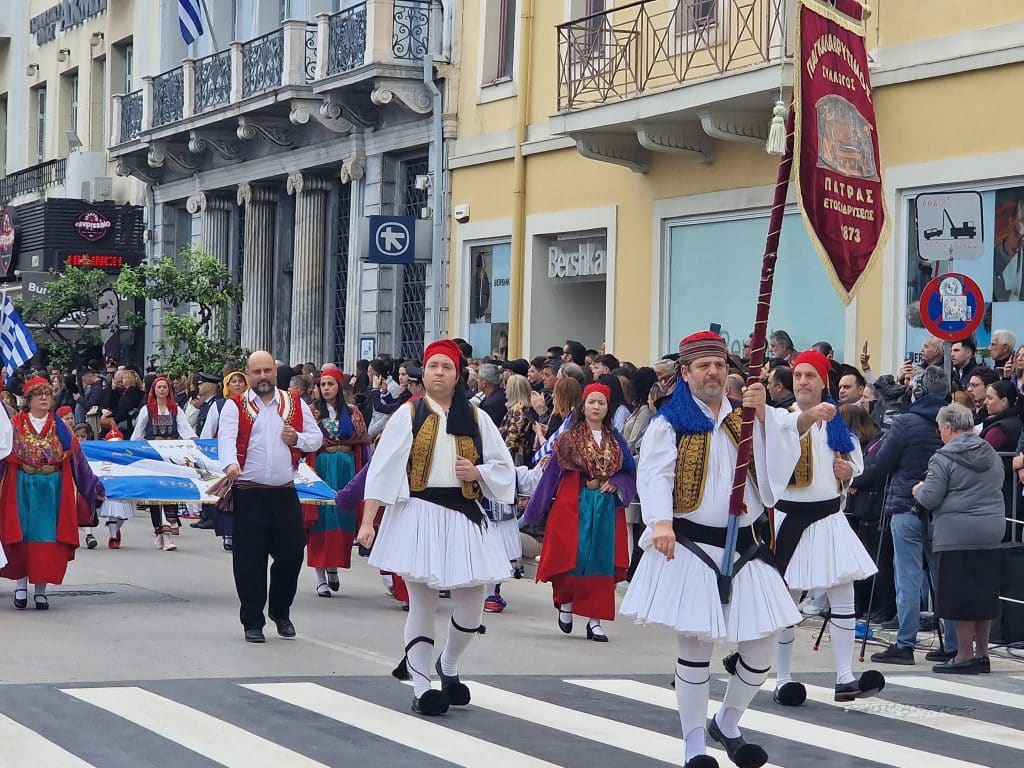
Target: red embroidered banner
(838,167)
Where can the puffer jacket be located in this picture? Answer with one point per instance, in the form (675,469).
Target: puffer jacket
(904,454)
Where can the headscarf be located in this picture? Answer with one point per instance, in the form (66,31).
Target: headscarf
(227,379)
(461,418)
(602,389)
(151,401)
(840,438)
(345,426)
(36,382)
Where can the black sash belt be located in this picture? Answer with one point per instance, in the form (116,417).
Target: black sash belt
(690,534)
(451,498)
(800,515)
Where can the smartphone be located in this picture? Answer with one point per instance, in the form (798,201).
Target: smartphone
(716,328)
(864,349)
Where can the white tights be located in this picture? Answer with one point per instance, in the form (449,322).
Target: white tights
(467,611)
(693,678)
(842,630)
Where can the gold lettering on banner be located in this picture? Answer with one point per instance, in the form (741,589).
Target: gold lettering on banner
(830,43)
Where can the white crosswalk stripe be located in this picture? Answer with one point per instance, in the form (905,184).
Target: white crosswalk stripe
(964,727)
(211,737)
(414,732)
(936,685)
(777,725)
(23,746)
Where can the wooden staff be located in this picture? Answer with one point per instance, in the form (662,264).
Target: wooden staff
(737,506)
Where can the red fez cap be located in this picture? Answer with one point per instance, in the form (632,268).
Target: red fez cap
(601,389)
(818,361)
(63,410)
(703,344)
(445,347)
(336,374)
(35,383)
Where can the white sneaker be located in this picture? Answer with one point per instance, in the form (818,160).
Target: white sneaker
(158,542)
(810,607)
(169,544)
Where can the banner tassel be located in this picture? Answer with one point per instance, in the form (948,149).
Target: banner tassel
(776,144)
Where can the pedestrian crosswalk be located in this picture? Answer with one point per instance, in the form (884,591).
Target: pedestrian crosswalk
(919,721)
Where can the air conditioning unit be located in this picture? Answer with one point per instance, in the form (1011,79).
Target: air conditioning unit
(103,188)
(86,191)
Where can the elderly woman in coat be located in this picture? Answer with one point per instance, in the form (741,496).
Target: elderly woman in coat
(963,494)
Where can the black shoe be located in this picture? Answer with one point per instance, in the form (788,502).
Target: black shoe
(870,684)
(457,691)
(983,663)
(565,626)
(333,582)
(597,638)
(42,604)
(431,703)
(254,636)
(228,546)
(203,525)
(937,655)
(881,617)
(891,624)
(21,603)
(791,694)
(444,594)
(740,752)
(284,627)
(701,761)
(969,667)
(518,572)
(894,654)
(926,624)
(90,541)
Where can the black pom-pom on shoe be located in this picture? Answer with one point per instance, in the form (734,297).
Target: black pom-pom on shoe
(401,672)
(431,703)
(740,752)
(701,761)
(458,691)
(871,682)
(791,694)
(729,662)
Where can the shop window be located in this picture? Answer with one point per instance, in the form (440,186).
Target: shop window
(499,48)
(490,268)
(714,270)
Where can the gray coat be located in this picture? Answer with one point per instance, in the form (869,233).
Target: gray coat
(964,492)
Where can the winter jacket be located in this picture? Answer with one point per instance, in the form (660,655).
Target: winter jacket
(866,503)
(904,453)
(963,492)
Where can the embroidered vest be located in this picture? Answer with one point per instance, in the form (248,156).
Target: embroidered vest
(425,427)
(290,410)
(160,426)
(803,472)
(692,457)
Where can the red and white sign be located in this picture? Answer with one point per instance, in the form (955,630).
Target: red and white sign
(92,226)
(952,306)
(8,239)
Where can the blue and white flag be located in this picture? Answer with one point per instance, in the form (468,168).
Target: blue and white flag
(189,20)
(549,444)
(173,471)
(17,346)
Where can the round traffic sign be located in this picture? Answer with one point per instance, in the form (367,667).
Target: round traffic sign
(952,306)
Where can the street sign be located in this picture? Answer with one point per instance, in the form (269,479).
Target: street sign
(949,226)
(952,306)
(392,240)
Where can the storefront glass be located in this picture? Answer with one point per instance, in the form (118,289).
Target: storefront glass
(489,299)
(714,272)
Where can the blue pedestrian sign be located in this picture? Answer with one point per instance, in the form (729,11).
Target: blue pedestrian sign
(392,239)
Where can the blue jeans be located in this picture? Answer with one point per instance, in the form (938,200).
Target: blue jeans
(909,550)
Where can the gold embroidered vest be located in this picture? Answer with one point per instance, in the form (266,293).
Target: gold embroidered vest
(803,472)
(692,457)
(421,456)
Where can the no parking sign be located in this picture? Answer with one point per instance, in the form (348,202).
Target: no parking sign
(952,306)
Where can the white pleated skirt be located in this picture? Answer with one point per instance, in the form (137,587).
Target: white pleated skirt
(117,510)
(507,532)
(444,549)
(829,553)
(682,594)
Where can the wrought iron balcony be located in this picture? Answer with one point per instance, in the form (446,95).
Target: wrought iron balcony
(346,34)
(130,120)
(263,63)
(48,174)
(212,82)
(410,39)
(168,96)
(642,48)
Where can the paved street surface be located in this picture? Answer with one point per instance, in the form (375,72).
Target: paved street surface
(140,662)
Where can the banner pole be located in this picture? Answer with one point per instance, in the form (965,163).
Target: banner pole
(737,506)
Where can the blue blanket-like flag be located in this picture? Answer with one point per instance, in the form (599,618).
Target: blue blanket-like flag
(171,471)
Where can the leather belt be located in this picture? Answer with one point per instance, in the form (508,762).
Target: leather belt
(337,449)
(46,469)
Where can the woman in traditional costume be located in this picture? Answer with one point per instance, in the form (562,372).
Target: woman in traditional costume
(583,493)
(115,511)
(235,383)
(343,453)
(43,472)
(433,530)
(161,419)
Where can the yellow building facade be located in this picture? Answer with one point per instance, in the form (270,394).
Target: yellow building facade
(610,183)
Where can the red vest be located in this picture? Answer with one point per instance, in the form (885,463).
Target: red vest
(247,413)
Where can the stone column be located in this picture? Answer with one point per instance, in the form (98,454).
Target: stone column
(258,267)
(216,221)
(309,262)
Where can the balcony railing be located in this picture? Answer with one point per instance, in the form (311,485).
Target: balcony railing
(642,48)
(48,174)
(262,63)
(346,39)
(212,82)
(168,97)
(411,37)
(131,115)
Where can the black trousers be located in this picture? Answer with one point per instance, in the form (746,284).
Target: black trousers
(268,524)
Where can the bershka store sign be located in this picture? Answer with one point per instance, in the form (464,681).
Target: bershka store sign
(92,226)
(577,260)
(8,239)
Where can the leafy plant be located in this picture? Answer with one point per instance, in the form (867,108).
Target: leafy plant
(200,288)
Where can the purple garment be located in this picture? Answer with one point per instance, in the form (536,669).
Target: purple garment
(354,492)
(540,503)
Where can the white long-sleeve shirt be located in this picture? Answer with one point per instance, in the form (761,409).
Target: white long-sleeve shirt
(824,486)
(185,430)
(268,460)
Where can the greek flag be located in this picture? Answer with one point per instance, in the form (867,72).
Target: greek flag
(171,471)
(17,346)
(189,20)
(549,444)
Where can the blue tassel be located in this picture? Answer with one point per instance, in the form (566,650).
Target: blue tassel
(840,438)
(683,413)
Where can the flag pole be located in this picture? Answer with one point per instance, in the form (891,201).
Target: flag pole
(209,22)
(737,506)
